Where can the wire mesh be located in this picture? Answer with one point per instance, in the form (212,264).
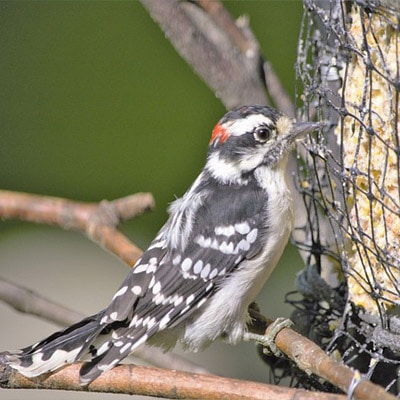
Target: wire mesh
(348,70)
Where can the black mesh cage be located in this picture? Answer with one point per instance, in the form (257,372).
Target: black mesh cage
(348,71)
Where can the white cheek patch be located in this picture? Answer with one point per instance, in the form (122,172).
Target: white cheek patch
(252,159)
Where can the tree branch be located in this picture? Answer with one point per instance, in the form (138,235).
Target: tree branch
(277,92)
(221,52)
(97,220)
(29,302)
(137,380)
(313,360)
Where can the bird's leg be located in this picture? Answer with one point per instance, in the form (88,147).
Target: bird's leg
(268,339)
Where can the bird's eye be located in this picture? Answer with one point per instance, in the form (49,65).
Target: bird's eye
(262,134)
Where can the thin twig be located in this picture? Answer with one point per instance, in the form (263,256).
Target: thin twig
(277,92)
(29,302)
(136,380)
(97,220)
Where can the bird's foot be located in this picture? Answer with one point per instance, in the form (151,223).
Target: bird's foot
(268,339)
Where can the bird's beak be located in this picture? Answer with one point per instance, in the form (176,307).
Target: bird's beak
(300,129)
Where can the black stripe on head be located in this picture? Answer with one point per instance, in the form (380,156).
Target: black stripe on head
(245,111)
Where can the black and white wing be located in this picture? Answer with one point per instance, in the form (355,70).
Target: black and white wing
(194,253)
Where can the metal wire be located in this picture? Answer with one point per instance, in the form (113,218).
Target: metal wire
(348,72)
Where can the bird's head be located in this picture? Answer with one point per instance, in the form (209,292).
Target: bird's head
(249,137)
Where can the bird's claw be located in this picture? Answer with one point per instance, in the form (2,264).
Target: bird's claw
(268,339)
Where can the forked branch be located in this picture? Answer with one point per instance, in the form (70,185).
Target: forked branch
(97,220)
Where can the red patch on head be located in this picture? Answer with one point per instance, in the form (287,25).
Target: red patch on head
(219,133)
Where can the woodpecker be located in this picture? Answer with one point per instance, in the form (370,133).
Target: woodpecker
(206,265)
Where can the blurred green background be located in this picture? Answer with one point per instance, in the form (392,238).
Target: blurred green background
(96,104)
